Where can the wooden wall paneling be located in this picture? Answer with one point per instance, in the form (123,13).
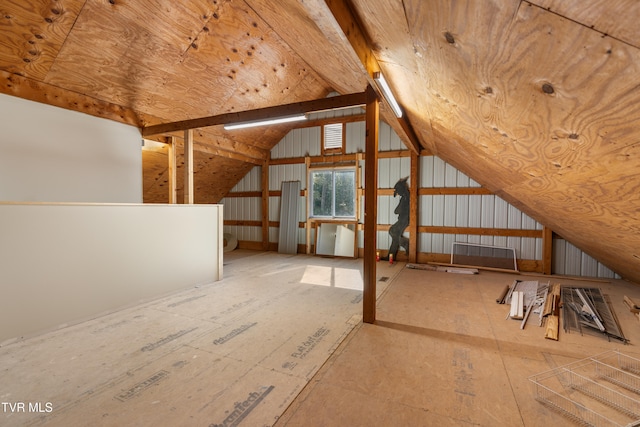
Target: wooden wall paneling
(371,206)
(187,193)
(171,172)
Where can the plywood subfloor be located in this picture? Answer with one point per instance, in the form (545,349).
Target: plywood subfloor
(236,351)
(280,342)
(442,353)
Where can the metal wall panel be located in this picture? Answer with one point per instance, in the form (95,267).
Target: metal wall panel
(475,211)
(288,229)
(462,211)
(274,209)
(355,137)
(570,260)
(426,171)
(486,211)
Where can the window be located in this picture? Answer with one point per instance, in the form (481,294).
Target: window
(332,137)
(333,193)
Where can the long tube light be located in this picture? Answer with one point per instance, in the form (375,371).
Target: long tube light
(386,91)
(274,121)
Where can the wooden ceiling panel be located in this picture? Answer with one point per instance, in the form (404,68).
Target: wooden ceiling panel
(329,57)
(618,19)
(214,176)
(31,34)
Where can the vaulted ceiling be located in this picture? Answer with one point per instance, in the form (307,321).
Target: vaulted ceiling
(539,101)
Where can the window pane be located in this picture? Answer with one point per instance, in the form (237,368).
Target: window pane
(322,193)
(345,193)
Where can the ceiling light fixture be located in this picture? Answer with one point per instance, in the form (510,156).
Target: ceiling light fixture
(386,91)
(264,122)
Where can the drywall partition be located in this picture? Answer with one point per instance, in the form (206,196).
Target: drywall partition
(50,154)
(61,263)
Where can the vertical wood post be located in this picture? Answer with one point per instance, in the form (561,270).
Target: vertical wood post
(413,209)
(265,204)
(173,190)
(547,249)
(309,196)
(188,166)
(370,206)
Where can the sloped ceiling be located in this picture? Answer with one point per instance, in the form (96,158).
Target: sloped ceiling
(538,101)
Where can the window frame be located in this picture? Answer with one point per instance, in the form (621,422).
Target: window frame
(333,171)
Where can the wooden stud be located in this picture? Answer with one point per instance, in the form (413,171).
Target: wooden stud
(359,158)
(265,203)
(370,206)
(413,207)
(307,163)
(547,250)
(172,178)
(188,167)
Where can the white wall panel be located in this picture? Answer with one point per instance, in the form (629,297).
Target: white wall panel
(251,181)
(99,258)
(488,209)
(50,154)
(385,210)
(462,180)
(501,213)
(462,211)
(426,171)
(437,208)
(570,260)
(514,218)
(475,210)
(449,211)
(439,167)
(356,136)
(274,208)
(450,176)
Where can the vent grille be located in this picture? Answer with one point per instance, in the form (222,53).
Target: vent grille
(333,136)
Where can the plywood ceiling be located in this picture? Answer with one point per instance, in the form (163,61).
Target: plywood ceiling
(539,101)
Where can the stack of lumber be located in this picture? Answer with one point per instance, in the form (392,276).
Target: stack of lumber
(551,312)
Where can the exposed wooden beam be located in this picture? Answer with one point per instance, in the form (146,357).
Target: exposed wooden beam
(265,204)
(547,250)
(354,35)
(171,172)
(413,207)
(331,103)
(188,167)
(370,206)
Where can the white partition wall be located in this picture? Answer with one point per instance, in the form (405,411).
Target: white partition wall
(61,263)
(49,154)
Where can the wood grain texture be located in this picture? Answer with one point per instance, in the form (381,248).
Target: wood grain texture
(32,33)
(617,19)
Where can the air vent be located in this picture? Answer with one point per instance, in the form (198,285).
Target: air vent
(333,136)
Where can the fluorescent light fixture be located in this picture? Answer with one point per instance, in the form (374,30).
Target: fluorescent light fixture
(274,121)
(386,91)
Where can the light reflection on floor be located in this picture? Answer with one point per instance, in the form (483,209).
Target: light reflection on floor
(345,278)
